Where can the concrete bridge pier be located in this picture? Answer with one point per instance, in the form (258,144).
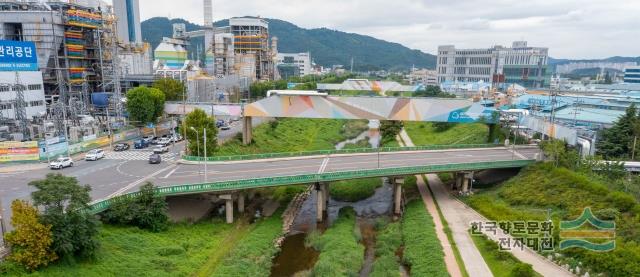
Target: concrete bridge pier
(464,181)
(322,193)
(247,131)
(241,202)
(228,206)
(397,195)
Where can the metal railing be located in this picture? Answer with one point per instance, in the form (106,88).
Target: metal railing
(312,178)
(341,151)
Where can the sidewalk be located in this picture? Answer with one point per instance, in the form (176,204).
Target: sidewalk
(11,168)
(460,216)
(473,261)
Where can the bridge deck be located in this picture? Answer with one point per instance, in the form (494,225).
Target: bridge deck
(189,178)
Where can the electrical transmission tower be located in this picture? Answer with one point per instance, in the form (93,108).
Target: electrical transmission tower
(21,108)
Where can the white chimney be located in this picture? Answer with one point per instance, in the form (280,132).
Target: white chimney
(208,13)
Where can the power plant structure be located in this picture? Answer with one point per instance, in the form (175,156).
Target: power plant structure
(78,56)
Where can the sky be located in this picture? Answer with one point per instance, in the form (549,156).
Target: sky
(573,29)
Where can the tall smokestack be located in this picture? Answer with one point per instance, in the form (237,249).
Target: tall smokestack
(208,13)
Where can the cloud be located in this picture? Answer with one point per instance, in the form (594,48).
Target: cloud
(570,28)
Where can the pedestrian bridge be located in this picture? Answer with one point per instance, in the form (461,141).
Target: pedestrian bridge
(235,173)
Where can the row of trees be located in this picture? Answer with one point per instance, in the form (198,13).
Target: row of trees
(59,227)
(621,140)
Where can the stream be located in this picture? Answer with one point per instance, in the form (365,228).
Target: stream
(295,258)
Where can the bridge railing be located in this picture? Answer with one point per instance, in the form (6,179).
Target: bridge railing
(218,186)
(341,151)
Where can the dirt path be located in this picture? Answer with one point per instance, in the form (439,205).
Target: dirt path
(449,258)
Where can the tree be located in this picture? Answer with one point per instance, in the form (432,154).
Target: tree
(173,89)
(146,210)
(617,142)
(389,129)
(31,240)
(145,105)
(554,149)
(64,203)
(199,120)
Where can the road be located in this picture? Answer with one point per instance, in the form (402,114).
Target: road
(105,176)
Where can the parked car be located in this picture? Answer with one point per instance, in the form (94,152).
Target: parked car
(154,140)
(121,147)
(148,139)
(61,162)
(161,149)
(94,155)
(219,123)
(164,141)
(140,144)
(225,127)
(155,158)
(177,137)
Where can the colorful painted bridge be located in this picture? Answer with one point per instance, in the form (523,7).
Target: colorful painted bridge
(227,175)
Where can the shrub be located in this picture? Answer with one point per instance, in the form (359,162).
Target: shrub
(624,202)
(31,240)
(523,270)
(146,211)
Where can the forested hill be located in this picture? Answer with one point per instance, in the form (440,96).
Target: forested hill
(327,47)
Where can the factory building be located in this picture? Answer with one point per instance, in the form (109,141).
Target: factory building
(520,64)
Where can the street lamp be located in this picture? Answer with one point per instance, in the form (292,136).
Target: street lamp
(205,149)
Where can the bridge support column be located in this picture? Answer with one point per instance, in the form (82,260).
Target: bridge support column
(467,178)
(320,203)
(458,181)
(228,206)
(397,195)
(241,202)
(324,187)
(247,130)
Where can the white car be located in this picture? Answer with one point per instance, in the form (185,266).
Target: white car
(61,162)
(161,149)
(165,141)
(94,155)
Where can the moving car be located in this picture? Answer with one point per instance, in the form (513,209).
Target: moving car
(148,139)
(140,144)
(61,162)
(155,159)
(121,147)
(177,137)
(161,149)
(94,155)
(219,123)
(225,127)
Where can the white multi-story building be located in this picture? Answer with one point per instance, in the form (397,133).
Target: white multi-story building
(33,93)
(520,64)
(301,60)
(128,20)
(426,77)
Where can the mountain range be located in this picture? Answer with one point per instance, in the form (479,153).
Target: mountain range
(327,47)
(330,47)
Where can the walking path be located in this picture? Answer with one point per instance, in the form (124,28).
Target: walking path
(460,216)
(474,264)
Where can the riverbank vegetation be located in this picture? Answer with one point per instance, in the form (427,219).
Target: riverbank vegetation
(341,254)
(422,250)
(388,243)
(354,190)
(253,255)
(501,263)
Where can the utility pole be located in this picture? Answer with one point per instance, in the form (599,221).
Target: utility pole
(205,155)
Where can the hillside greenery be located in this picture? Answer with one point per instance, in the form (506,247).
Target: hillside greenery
(565,192)
(327,47)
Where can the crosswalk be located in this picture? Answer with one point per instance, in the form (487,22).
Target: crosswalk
(137,155)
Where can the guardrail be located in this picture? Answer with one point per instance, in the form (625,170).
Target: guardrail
(312,178)
(341,151)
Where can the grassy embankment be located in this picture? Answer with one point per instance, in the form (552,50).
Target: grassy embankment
(542,186)
(341,252)
(501,263)
(253,255)
(129,251)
